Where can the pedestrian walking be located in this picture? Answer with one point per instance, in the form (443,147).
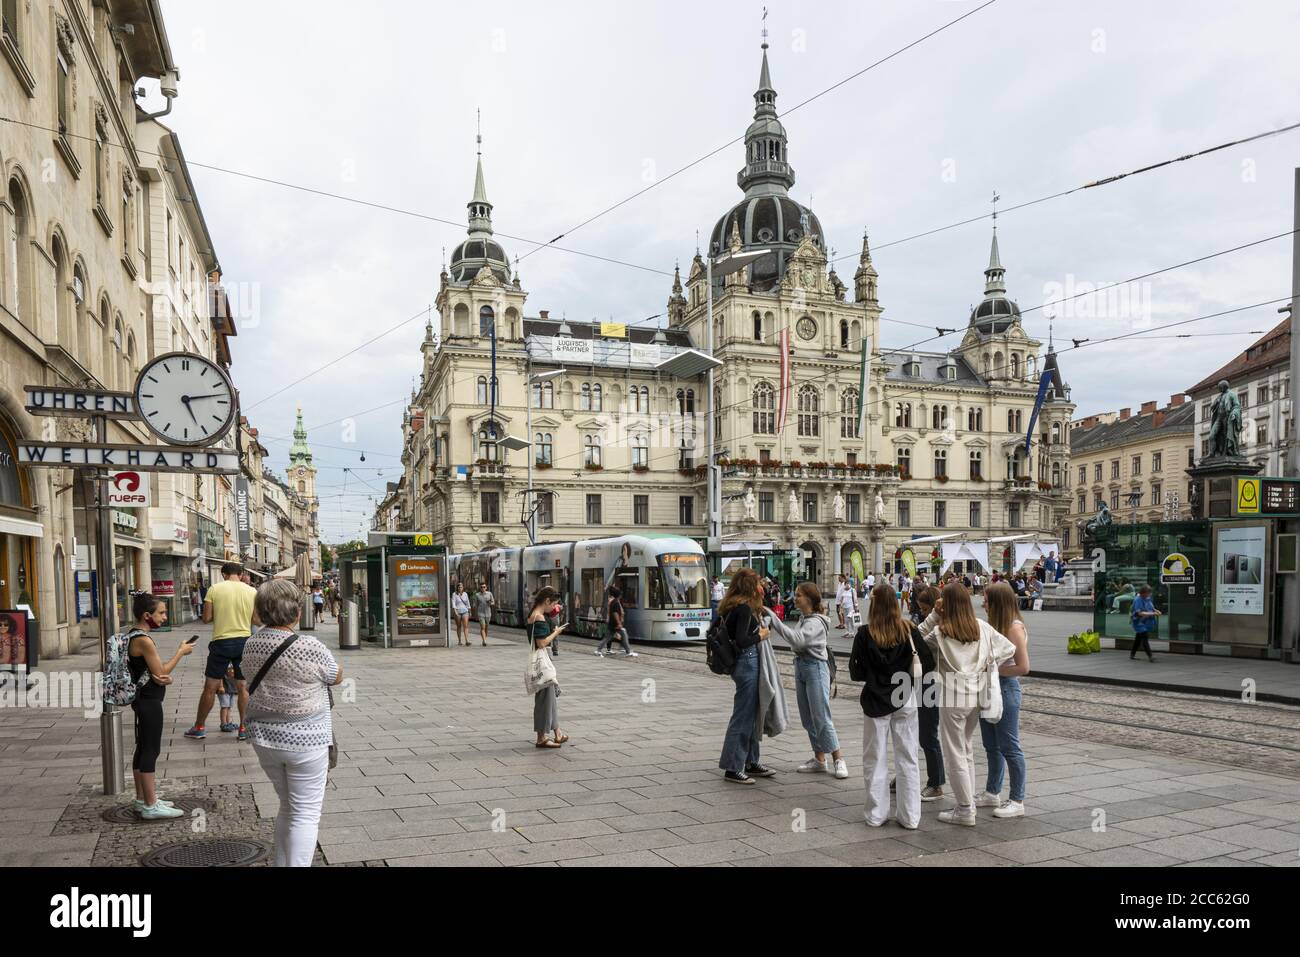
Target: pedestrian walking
(228,606)
(541,633)
(460,608)
(840,585)
(484,602)
(1144,617)
(741,611)
(143,658)
(715,597)
(812,677)
(289,718)
(318,602)
(889,657)
(227,697)
(964,647)
(1002,740)
(848,608)
(614,620)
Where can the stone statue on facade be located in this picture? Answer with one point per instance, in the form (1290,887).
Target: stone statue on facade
(792,507)
(1225,424)
(751,505)
(839,506)
(880,508)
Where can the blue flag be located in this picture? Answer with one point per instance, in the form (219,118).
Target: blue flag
(1043,383)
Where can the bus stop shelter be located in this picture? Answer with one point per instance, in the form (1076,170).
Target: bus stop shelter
(394,591)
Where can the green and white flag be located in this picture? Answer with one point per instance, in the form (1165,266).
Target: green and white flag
(864,379)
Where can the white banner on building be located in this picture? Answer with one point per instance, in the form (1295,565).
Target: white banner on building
(568,349)
(647,354)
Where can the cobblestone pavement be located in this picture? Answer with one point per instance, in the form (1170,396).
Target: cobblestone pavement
(438,769)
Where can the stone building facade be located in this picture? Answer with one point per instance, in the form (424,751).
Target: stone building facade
(621,445)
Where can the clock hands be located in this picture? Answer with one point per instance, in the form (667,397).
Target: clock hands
(214,395)
(186,400)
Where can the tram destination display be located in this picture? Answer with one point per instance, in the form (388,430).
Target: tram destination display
(1279,497)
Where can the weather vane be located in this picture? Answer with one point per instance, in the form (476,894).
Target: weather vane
(765,28)
(996,197)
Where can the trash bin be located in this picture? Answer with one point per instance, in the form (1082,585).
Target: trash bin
(349,627)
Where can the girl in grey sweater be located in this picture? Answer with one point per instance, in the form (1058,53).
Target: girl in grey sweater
(812,677)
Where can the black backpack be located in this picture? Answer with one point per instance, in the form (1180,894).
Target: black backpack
(719,651)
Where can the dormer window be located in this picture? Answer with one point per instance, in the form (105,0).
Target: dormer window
(949,372)
(912,369)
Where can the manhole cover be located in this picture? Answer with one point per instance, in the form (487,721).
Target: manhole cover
(125,813)
(212,853)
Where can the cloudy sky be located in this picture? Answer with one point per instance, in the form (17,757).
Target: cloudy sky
(584,104)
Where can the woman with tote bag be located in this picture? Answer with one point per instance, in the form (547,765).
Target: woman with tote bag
(967,652)
(1002,739)
(540,677)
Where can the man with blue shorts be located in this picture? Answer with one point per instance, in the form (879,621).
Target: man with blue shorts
(228,605)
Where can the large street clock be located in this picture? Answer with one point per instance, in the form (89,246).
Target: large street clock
(185,399)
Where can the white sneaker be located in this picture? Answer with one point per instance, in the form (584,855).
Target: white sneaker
(955,816)
(630,654)
(841,769)
(1010,809)
(812,766)
(600,654)
(988,800)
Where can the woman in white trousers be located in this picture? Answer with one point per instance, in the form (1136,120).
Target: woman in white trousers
(289,718)
(963,646)
(885,651)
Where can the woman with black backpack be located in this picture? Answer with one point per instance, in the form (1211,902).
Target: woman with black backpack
(741,613)
(889,657)
(812,677)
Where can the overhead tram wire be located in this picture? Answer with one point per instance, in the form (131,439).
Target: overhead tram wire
(738,139)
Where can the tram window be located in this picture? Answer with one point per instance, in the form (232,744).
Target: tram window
(593,593)
(629,587)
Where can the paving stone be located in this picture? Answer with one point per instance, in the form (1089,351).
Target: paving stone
(644,840)
(630,859)
(1031,850)
(1263,838)
(712,852)
(1127,856)
(517,855)
(967,857)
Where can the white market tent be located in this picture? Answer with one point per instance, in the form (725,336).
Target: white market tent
(963,551)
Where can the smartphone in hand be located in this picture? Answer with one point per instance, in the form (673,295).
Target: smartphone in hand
(191,639)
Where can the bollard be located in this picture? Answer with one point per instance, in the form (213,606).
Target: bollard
(110,746)
(307,620)
(349,627)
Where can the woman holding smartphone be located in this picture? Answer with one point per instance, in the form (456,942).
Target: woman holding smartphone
(142,656)
(546,718)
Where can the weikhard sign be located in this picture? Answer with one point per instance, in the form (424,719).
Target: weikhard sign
(149,458)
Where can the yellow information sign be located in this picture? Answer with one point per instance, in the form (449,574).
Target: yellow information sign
(1247,496)
(424,539)
(614,330)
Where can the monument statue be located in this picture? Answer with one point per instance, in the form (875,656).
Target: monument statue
(880,508)
(751,505)
(1101,521)
(1225,424)
(839,506)
(1194,500)
(792,508)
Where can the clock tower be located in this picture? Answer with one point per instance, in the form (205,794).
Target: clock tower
(302,474)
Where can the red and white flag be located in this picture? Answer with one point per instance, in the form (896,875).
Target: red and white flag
(783,395)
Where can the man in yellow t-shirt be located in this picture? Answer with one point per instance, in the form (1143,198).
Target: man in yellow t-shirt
(228,605)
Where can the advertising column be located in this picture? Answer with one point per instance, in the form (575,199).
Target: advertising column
(416,602)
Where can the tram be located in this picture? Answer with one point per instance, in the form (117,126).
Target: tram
(663,581)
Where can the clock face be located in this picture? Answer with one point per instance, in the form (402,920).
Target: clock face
(185,399)
(807,327)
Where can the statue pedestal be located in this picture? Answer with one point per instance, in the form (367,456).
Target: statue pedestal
(1213,480)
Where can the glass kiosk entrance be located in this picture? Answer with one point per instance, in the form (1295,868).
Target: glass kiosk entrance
(398,585)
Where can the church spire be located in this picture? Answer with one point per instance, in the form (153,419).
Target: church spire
(864,280)
(299,453)
(480,210)
(767,168)
(677,301)
(994,282)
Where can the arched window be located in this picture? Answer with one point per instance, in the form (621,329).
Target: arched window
(940,462)
(855,334)
(640,451)
(584,397)
(15,264)
(544,443)
(63,307)
(480,395)
(1014,420)
(596,401)
(903,415)
(543,395)
(758,327)
(844,333)
(1056,433)
(850,415)
(487,441)
(1015,365)
(717,411)
(975,420)
(115,361)
(939,417)
(81,339)
(764,409)
(905,460)
(591,450)
(1056,474)
(976,464)
(486,321)
(130,358)
(686,402)
(809,406)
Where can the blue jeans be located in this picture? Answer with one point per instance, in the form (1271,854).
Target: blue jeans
(1002,743)
(812,684)
(740,746)
(927,719)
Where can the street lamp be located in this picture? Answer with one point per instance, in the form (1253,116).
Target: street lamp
(721,266)
(532,378)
